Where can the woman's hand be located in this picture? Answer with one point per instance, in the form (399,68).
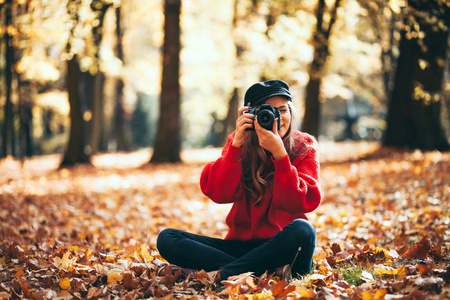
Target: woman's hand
(243,122)
(271,140)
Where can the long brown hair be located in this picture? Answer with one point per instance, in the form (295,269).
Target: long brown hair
(257,167)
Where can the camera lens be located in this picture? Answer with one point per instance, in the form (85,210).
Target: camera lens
(265,119)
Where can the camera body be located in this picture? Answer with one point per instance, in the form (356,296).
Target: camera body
(266,115)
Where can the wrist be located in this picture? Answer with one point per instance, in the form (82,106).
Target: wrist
(236,143)
(279,155)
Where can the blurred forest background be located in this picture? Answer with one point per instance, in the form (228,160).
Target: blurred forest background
(79,77)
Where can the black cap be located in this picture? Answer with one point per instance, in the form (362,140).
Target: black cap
(261,91)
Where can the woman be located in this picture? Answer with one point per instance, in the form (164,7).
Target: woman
(272,179)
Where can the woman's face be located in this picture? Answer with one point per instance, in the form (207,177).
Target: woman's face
(282,104)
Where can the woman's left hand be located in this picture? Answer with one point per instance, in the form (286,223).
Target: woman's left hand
(270,140)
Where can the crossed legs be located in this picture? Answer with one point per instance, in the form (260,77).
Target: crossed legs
(234,257)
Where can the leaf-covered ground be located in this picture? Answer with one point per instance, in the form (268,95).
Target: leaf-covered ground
(89,233)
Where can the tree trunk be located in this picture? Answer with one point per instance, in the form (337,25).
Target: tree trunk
(388,60)
(96,138)
(8,145)
(311,117)
(77,150)
(232,115)
(413,119)
(79,90)
(168,138)
(122,140)
(98,83)
(233,103)
(119,119)
(26,119)
(24,94)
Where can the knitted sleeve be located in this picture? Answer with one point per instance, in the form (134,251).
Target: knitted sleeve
(220,180)
(296,185)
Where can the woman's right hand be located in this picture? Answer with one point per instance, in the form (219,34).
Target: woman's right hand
(243,122)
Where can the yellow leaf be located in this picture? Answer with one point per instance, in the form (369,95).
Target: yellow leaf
(110,258)
(145,254)
(113,278)
(65,262)
(65,294)
(389,271)
(65,284)
(260,296)
(379,294)
(305,292)
(75,248)
(378,250)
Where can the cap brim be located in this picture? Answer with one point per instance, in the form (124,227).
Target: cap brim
(265,97)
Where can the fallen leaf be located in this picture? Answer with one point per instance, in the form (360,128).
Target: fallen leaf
(234,284)
(65,262)
(378,295)
(113,278)
(145,254)
(65,284)
(282,289)
(93,226)
(366,276)
(419,250)
(386,270)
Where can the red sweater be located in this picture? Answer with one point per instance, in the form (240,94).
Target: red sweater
(295,191)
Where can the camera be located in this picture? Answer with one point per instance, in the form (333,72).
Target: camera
(266,115)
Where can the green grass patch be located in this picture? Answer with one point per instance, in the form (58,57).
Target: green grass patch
(356,275)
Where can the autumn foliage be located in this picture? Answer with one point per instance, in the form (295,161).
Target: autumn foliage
(90,232)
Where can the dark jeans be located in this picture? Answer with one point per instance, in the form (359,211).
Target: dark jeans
(234,257)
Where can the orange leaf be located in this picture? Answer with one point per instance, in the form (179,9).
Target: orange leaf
(281,289)
(65,284)
(234,284)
